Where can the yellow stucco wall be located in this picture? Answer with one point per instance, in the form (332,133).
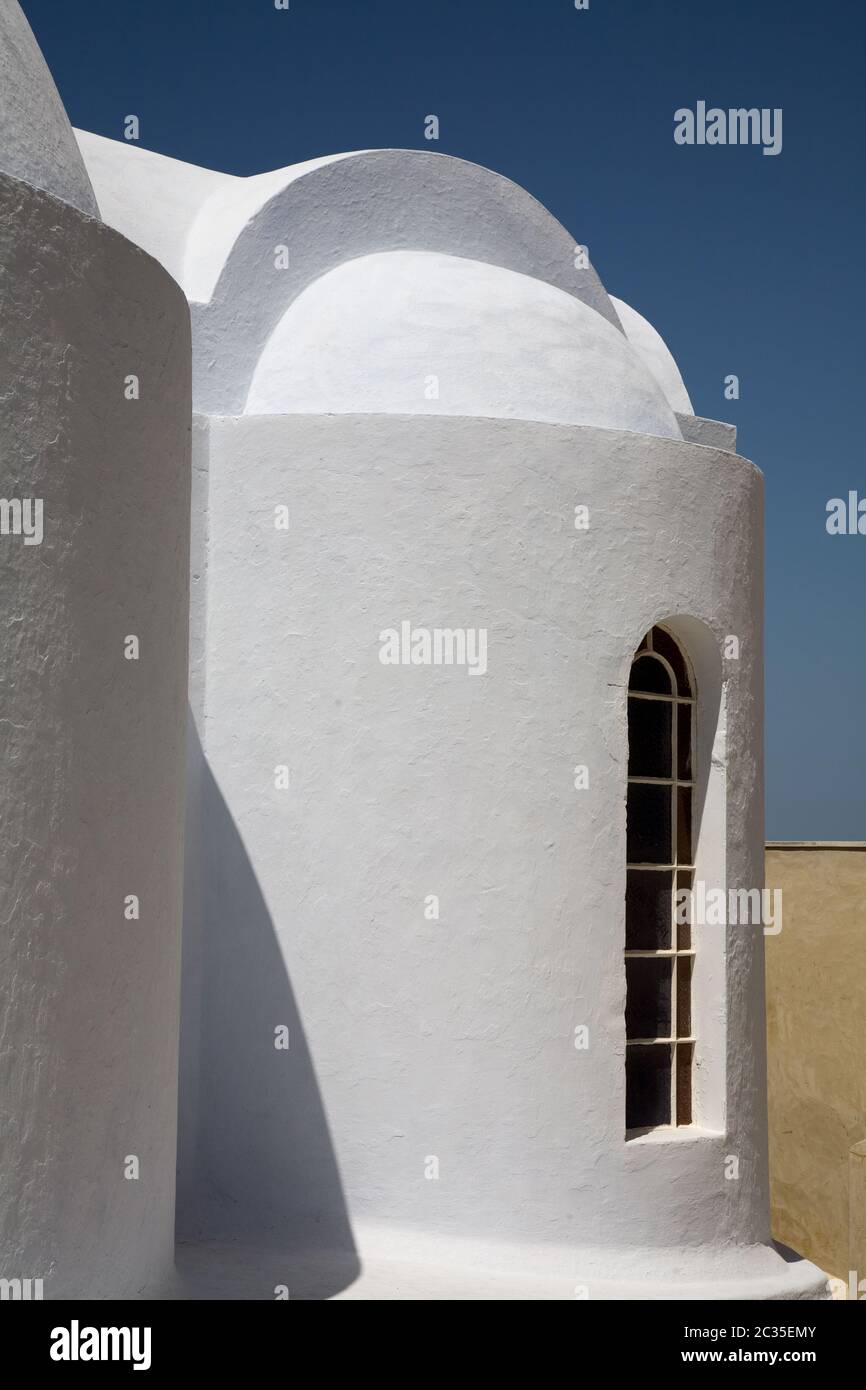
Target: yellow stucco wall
(816,1025)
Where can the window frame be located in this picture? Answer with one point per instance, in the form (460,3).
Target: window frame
(682,1047)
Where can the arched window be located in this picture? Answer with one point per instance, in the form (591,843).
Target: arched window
(660,863)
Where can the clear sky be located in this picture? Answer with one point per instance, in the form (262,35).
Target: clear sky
(746,264)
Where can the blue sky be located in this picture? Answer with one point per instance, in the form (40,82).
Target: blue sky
(746,264)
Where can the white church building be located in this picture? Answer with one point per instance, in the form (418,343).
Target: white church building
(387,674)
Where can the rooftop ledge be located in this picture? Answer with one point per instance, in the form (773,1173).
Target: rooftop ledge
(816,844)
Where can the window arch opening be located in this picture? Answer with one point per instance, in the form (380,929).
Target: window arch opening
(660,852)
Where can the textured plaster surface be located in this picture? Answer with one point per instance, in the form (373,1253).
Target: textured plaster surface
(92,792)
(455,1038)
(36,139)
(816,1026)
(366,337)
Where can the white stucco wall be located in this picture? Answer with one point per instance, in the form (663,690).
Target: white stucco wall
(92,793)
(454,1038)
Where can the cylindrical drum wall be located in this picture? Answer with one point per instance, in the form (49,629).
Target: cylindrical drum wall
(94,551)
(413,974)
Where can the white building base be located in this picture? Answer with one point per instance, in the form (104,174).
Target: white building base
(411,1266)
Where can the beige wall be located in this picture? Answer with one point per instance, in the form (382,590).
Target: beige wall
(816,1023)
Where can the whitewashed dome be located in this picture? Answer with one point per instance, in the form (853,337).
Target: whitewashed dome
(36,140)
(649,344)
(418,332)
(463,262)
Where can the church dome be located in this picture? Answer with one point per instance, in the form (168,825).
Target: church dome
(651,347)
(417,332)
(36,140)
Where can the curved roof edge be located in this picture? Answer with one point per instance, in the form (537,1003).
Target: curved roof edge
(379,200)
